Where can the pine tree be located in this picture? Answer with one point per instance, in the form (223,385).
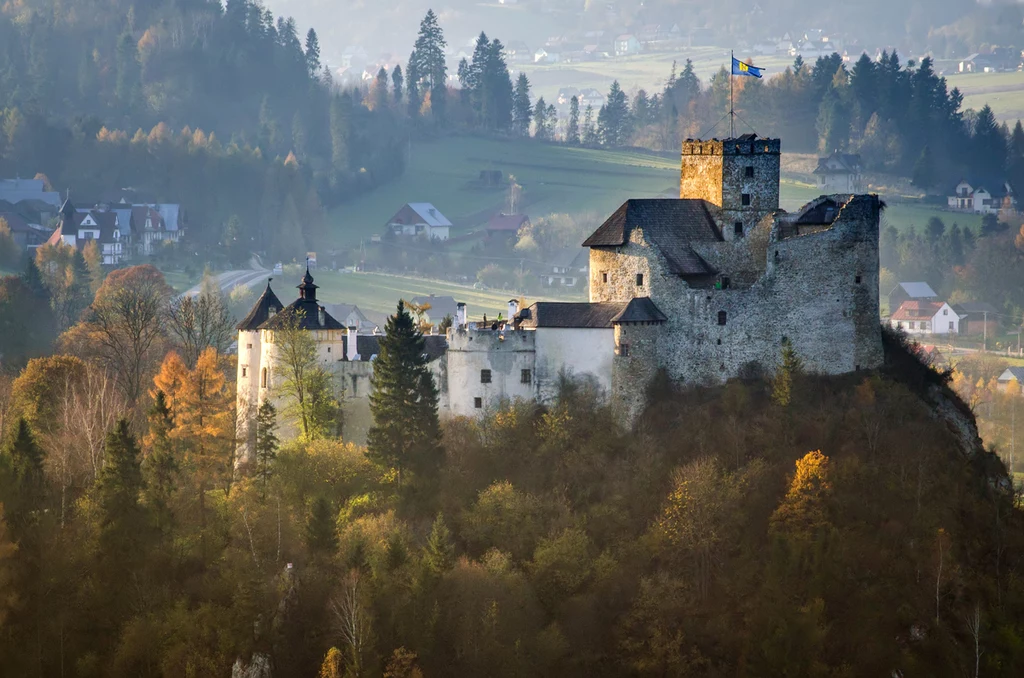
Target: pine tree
(397,83)
(405,432)
(380,90)
(521,110)
(439,554)
(572,130)
(590,137)
(161,466)
(266,443)
(321,538)
(613,118)
(120,485)
(312,53)
(412,88)
(540,120)
(925,173)
(26,463)
(429,62)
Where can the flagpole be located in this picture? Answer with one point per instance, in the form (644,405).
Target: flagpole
(732,106)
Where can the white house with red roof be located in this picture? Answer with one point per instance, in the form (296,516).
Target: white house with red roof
(925,317)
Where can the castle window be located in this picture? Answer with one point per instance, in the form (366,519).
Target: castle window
(745,199)
(328,349)
(245,371)
(749,172)
(478,403)
(604,276)
(725,282)
(249,346)
(857,280)
(623,350)
(639,279)
(737,228)
(524,376)
(721,317)
(263,378)
(355,384)
(485,376)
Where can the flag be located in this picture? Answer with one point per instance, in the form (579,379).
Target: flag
(740,68)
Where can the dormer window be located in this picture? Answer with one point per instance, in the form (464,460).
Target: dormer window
(320,316)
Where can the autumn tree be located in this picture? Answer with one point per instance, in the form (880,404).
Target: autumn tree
(405,432)
(306,382)
(200,322)
(126,325)
(439,554)
(804,510)
(782,383)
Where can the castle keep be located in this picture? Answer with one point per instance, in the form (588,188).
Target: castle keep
(707,287)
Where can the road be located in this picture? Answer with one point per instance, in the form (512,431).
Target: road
(251,277)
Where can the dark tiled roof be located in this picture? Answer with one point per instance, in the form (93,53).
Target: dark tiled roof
(310,311)
(434,345)
(260,313)
(820,211)
(669,223)
(640,310)
(570,314)
(975,308)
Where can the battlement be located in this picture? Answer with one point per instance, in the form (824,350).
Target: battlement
(748,144)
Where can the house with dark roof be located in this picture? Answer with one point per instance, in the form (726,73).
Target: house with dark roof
(977,317)
(77,228)
(27,235)
(506,225)
(566,267)
(839,173)
(998,199)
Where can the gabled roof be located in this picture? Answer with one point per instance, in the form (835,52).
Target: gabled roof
(170,214)
(848,163)
(261,311)
(570,314)
(918,310)
(1012,373)
(640,310)
(16,222)
(343,311)
(570,257)
(139,214)
(430,214)
(439,306)
(507,222)
(975,308)
(310,312)
(671,224)
(916,290)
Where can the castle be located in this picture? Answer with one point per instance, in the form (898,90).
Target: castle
(708,286)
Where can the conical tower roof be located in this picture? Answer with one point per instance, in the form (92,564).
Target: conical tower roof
(266,307)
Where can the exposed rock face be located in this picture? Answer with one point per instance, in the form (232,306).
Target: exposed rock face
(259,666)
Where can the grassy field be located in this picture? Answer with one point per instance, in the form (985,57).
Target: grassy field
(904,216)
(379,292)
(1004,92)
(553,179)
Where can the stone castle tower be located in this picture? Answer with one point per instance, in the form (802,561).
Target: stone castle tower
(739,176)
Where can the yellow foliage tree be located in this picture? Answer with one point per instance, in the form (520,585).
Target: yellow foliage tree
(802,512)
(334,665)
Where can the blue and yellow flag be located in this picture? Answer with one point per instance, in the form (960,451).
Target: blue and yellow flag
(740,68)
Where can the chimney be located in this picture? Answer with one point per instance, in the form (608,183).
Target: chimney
(351,352)
(513,308)
(460,316)
(320,316)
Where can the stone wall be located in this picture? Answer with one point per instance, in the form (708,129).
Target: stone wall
(820,291)
(504,354)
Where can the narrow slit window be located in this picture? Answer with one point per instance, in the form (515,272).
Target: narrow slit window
(750,172)
(263,378)
(639,279)
(604,276)
(721,317)
(745,199)
(245,371)
(857,280)
(737,229)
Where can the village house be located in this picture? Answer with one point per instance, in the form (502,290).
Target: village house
(980,200)
(77,227)
(925,317)
(1011,380)
(27,236)
(516,52)
(977,317)
(546,55)
(906,291)
(839,173)
(566,267)
(349,315)
(626,45)
(420,219)
(440,307)
(506,225)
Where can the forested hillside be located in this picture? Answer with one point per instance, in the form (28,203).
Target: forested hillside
(783,525)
